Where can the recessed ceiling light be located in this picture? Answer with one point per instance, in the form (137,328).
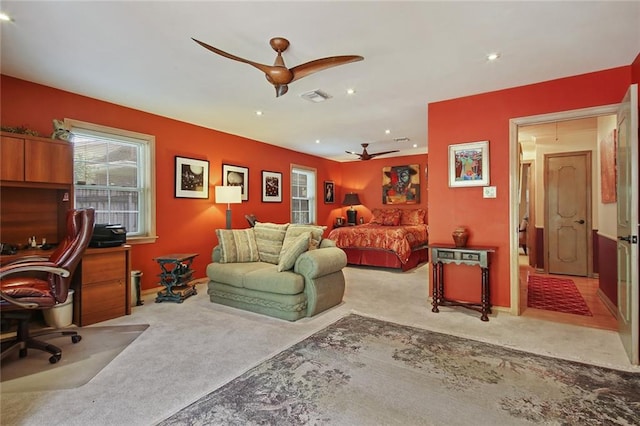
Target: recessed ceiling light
(5,17)
(350,91)
(415,145)
(258,112)
(493,56)
(387,132)
(317,140)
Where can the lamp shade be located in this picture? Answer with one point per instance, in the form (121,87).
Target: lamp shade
(351,199)
(228,194)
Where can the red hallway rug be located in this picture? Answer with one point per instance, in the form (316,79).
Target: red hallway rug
(556,294)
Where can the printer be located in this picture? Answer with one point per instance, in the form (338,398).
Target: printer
(108,235)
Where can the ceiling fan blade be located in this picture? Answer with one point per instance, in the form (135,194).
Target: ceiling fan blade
(303,70)
(264,68)
(375,154)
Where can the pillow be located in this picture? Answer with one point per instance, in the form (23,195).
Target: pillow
(269,238)
(288,257)
(386,217)
(413,217)
(237,245)
(296,229)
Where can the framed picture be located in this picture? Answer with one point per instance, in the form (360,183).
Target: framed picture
(192,178)
(236,176)
(401,184)
(271,187)
(329,192)
(469,164)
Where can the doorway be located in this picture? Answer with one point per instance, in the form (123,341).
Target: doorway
(550,129)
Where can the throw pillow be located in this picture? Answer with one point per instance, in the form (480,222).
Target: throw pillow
(413,217)
(289,254)
(386,217)
(237,245)
(296,229)
(269,238)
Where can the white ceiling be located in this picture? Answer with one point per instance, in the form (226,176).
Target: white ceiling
(140,54)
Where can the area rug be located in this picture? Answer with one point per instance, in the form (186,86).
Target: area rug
(555,294)
(80,361)
(364,371)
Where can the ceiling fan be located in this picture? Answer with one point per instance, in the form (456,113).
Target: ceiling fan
(366,156)
(278,74)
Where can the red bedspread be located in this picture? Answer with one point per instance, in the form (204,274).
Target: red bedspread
(398,239)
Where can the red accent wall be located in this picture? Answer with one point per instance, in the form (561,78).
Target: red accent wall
(183,225)
(365,178)
(188,225)
(486,117)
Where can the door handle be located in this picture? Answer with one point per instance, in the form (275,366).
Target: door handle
(581,221)
(631,239)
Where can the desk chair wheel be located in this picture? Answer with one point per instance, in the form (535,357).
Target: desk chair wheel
(76,338)
(55,358)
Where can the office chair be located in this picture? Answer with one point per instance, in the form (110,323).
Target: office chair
(21,293)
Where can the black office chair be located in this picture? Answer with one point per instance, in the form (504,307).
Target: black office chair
(22,293)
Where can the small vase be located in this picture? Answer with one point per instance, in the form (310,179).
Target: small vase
(460,236)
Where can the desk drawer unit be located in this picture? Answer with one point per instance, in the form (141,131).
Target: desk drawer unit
(103,286)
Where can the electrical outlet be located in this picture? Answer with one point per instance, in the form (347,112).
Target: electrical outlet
(489,192)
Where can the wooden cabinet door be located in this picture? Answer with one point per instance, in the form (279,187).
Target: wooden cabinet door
(12,159)
(49,161)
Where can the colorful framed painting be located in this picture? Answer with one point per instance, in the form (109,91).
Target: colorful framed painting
(271,187)
(469,164)
(401,184)
(236,176)
(329,192)
(192,178)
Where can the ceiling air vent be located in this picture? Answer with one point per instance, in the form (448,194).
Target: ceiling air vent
(316,96)
(403,139)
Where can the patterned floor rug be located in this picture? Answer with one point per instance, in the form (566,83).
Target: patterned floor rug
(363,371)
(555,294)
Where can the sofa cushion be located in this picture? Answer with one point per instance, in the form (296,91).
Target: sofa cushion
(269,280)
(237,245)
(292,249)
(296,229)
(233,273)
(269,238)
(412,217)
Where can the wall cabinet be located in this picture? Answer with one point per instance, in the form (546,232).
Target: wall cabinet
(102,285)
(35,159)
(36,179)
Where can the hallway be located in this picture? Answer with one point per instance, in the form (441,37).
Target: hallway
(588,287)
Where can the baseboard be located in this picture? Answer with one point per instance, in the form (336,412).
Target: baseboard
(608,303)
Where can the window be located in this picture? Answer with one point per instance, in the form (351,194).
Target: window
(303,195)
(114,173)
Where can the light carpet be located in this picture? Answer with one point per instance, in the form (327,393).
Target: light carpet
(79,364)
(555,294)
(361,370)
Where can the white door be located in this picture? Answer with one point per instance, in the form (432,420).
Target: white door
(627,218)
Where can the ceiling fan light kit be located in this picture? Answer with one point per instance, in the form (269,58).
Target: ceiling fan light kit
(278,74)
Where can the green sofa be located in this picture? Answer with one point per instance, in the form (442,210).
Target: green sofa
(281,270)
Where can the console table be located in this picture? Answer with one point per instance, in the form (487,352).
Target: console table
(472,256)
(175,277)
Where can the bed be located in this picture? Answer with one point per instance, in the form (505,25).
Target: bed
(394,238)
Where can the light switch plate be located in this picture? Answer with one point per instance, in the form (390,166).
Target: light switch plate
(489,192)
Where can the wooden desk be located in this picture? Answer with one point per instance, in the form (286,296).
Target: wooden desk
(472,256)
(101,283)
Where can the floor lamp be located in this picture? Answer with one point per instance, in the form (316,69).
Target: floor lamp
(351,199)
(229,195)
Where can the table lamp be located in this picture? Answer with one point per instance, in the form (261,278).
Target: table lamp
(351,199)
(229,195)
